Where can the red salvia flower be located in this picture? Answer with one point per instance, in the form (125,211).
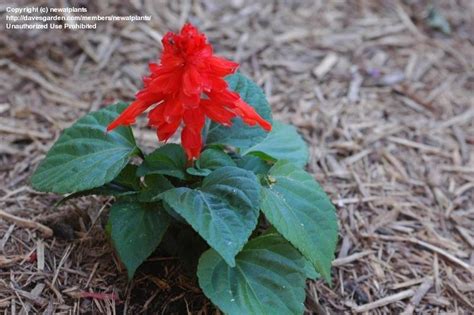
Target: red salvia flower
(187,86)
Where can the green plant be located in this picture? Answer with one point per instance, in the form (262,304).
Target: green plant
(243,174)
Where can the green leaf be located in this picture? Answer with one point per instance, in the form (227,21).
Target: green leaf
(174,214)
(86,156)
(198,172)
(126,183)
(240,135)
(224,211)
(128,178)
(269,277)
(253,164)
(137,230)
(210,159)
(282,143)
(213,159)
(169,160)
(155,185)
(301,211)
(310,272)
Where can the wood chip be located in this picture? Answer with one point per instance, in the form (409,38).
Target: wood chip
(26,223)
(384,301)
(40,255)
(347,260)
(326,65)
(419,294)
(8,261)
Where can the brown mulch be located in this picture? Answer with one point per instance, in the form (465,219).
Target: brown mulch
(385,100)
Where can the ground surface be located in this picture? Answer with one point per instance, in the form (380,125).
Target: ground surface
(385,101)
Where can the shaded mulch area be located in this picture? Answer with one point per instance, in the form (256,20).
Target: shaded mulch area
(384,100)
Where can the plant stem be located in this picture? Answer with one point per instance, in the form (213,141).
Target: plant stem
(205,131)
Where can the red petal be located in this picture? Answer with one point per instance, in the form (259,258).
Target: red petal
(250,116)
(192,142)
(171,109)
(166,130)
(217,113)
(169,83)
(217,83)
(223,97)
(222,67)
(191,81)
(189,101)
(169,41)
(191,137)
(194,117)
(153,67)
(191,40)
(155,116)
(128,116)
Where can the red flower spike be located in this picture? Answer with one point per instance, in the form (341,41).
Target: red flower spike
(188,70)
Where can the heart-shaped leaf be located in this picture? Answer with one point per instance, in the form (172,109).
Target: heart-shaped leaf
(210,159)
(137,230)
(169,160)
(268,278)
(125,184)
(86,156)
(302,212)
(224,210)
(282,143)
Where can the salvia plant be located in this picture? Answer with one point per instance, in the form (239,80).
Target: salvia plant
(237,179)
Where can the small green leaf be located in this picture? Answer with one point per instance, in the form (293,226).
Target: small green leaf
(282,143)
(302,212)
(210,159)
(128,178)
(86,156)
(137,230)
(198,172)
(224,211)
(269,277)
(240,135)
(169,160)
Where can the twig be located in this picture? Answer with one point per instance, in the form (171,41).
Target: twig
(23,132)
(385,301)
(346,260)
(408,22)
(61,262)
(8,261)
(46,231)
(326,65)
(419,294)
(40,255)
